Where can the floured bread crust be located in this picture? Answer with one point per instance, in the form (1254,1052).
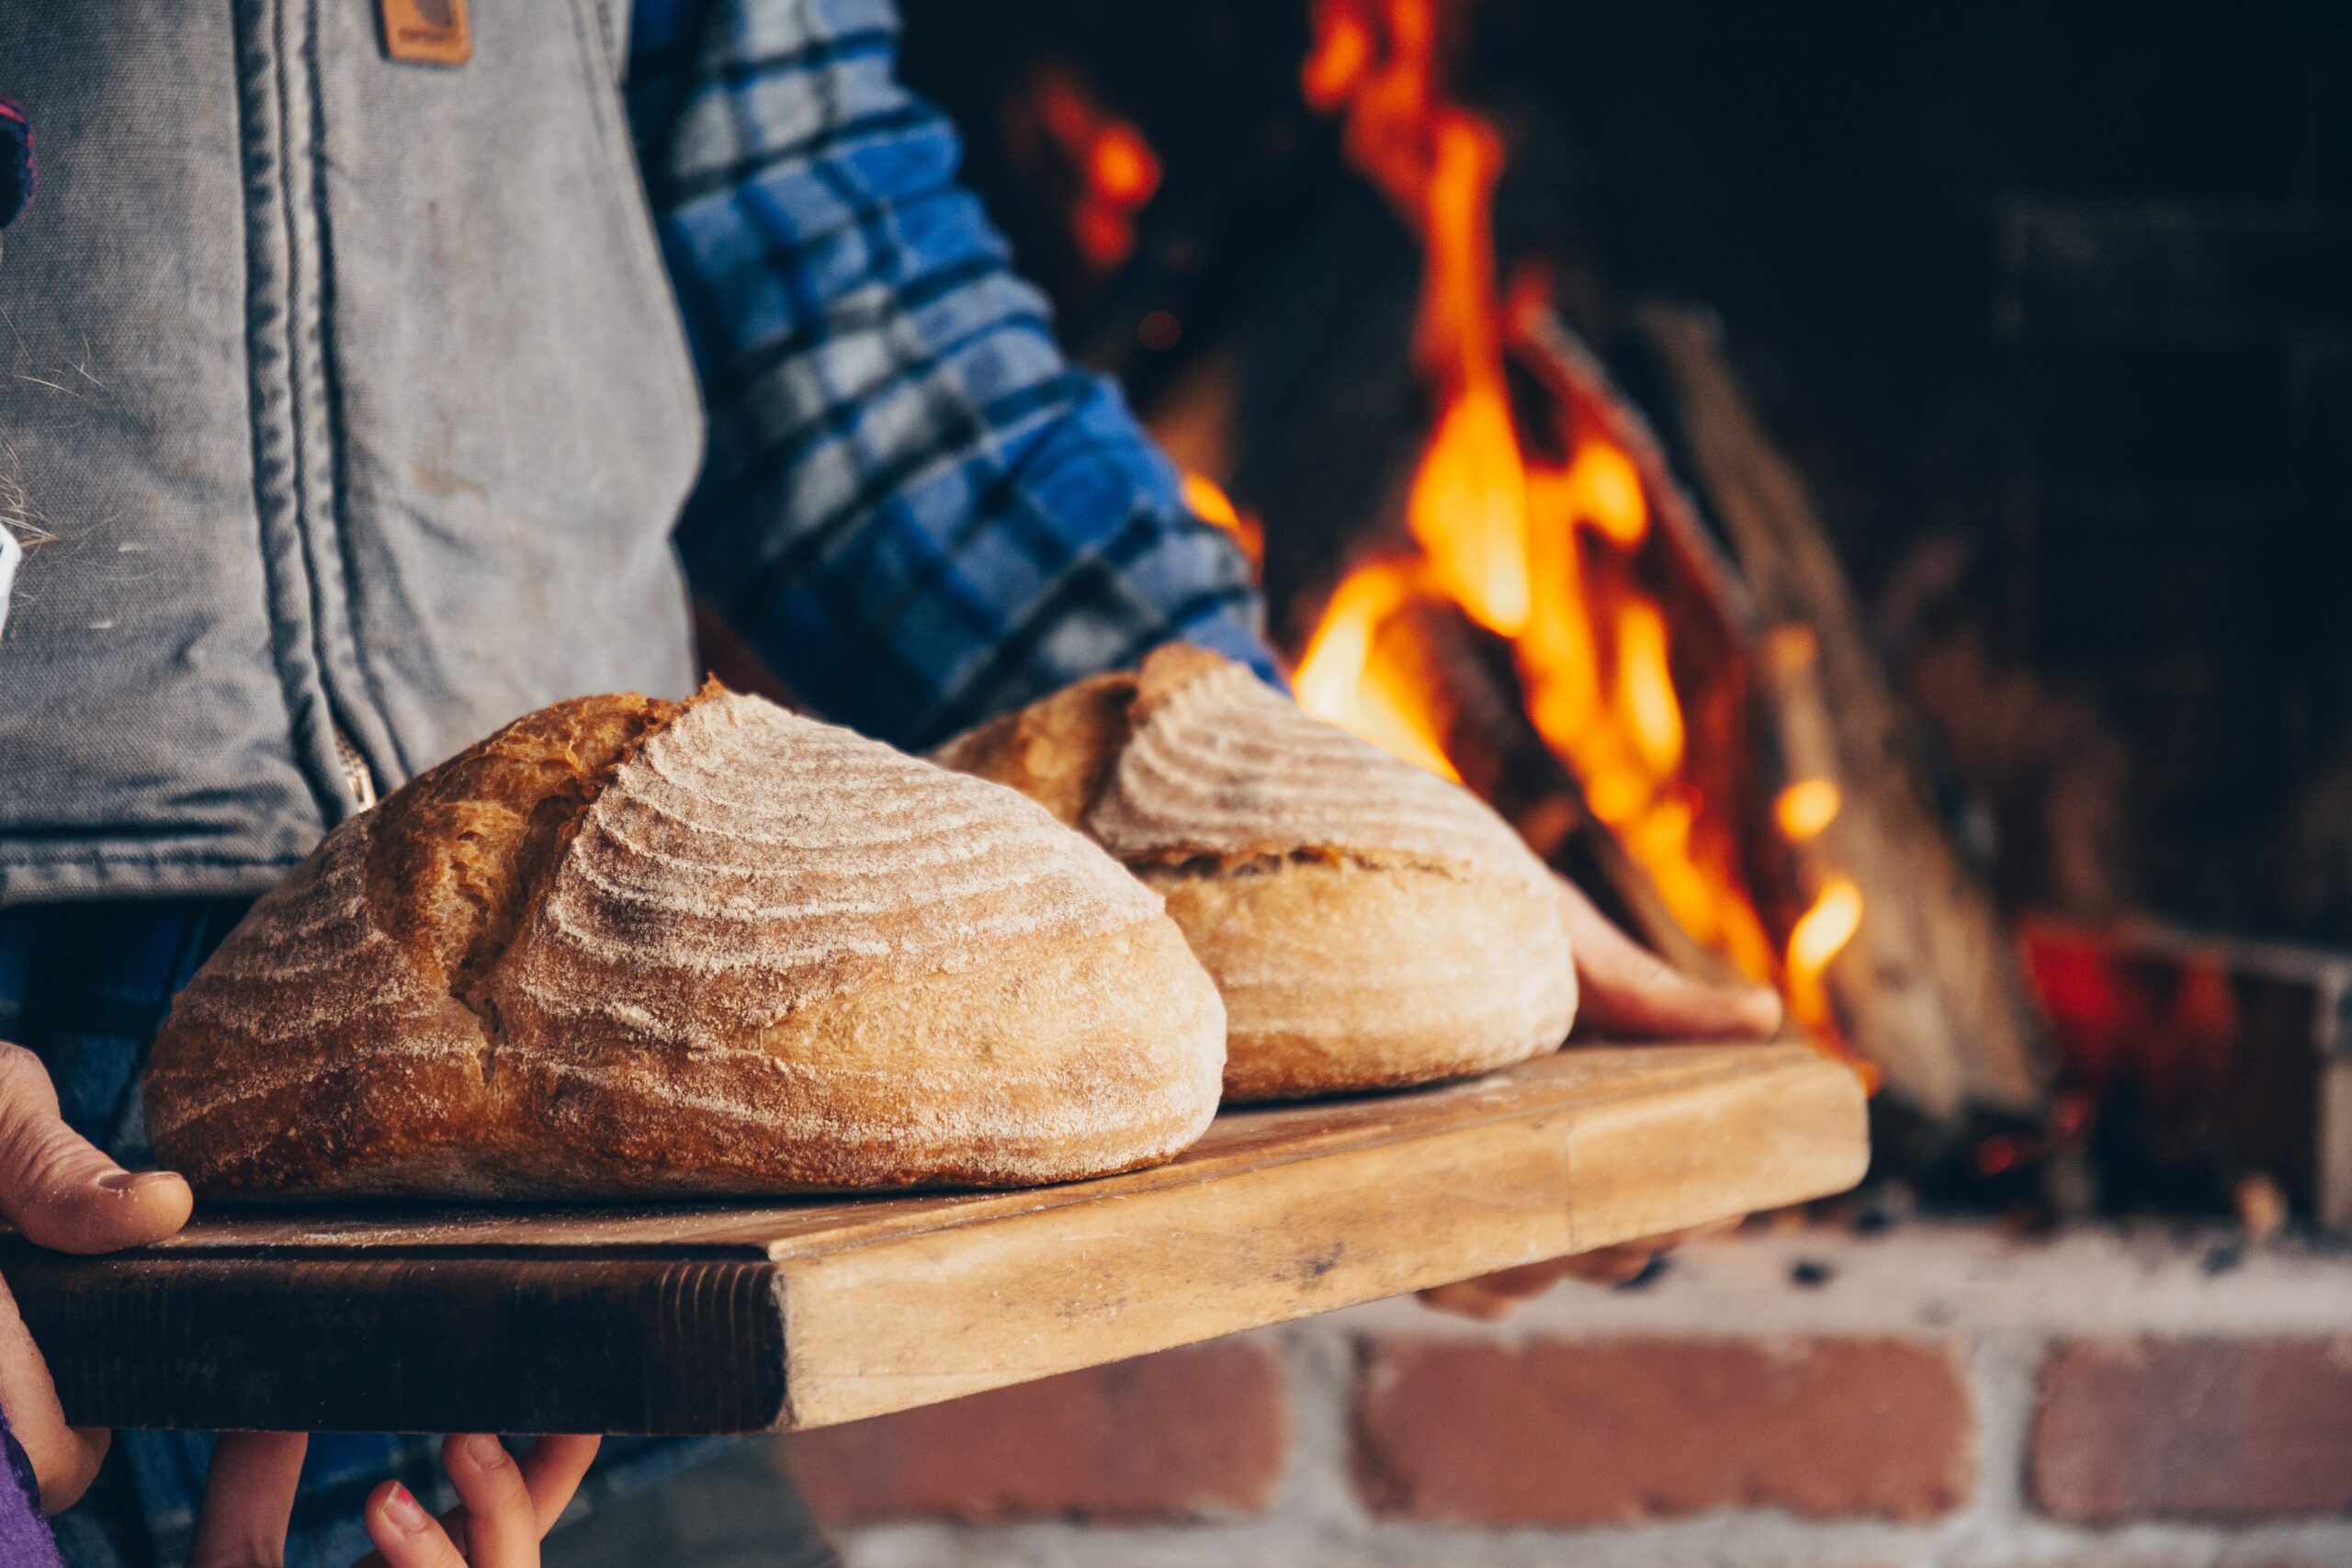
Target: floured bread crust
(1368,923)
(625,948)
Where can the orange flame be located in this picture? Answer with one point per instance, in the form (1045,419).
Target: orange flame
(1539,554)
(1645,689)
(1206,499)
(1468,510)
(1603,490)
(1341,677)
(1819,935)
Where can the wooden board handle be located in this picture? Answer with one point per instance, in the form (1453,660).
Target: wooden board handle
(403,1345)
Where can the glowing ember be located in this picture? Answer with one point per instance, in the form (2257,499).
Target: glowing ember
(1806,807)
(1117,170)
(1542,555)
(1792,646)
(1122,168)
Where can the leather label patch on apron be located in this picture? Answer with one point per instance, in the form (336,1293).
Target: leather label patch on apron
(433,33)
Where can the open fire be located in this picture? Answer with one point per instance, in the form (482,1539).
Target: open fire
(1546,542)
(1544,551)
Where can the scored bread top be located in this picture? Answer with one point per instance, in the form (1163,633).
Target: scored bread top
(452,859)
(741,867)
(626,946)
(1218,764)
(1193,757)
(1368,923)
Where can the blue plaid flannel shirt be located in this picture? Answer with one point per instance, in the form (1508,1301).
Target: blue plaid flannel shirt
(913,506)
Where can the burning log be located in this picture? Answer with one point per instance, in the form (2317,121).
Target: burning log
(1699,728)
(1463,677)
(1696,733)
(1928,985)
(1690,727)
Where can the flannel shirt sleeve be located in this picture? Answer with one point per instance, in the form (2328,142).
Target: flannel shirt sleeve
(914,508)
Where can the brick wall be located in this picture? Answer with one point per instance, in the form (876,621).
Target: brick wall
(1932,1396)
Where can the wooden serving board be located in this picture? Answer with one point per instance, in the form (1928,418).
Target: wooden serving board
(724,1318)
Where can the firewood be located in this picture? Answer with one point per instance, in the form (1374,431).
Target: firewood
(1462,675)
(1930,987)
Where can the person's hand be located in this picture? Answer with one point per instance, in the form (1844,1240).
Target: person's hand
(60,1191)
(506,1504)
(1626,992)
(1492,1296)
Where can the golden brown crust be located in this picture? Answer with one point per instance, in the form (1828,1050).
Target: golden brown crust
(454,854)
(626,948)
(1368,924)
(1165,671)
(601,1112)
(1339,974)
(1059,750)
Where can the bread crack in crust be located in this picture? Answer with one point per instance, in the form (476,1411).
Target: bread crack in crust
(454,863)
(1368,923)
(628,947)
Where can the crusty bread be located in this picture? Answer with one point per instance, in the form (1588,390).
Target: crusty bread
(1368,924)
(626,947)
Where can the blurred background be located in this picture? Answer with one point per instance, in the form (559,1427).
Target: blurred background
(1867,492)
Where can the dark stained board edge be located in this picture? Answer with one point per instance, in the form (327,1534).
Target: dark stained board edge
(438,1345)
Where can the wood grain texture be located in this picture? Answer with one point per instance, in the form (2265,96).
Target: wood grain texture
(803,1313)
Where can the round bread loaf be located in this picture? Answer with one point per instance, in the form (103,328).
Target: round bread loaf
(1368,924)
(627,947)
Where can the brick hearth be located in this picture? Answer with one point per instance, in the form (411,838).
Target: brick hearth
(1934,1394)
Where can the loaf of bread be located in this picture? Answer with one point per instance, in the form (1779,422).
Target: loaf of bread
(627,947)
(1368,924)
